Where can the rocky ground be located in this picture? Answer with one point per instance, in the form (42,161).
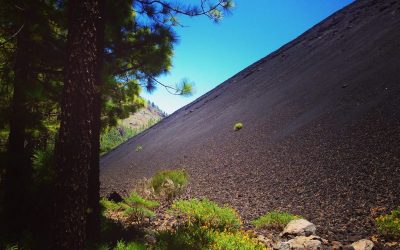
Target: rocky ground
(321,130)
(298,234)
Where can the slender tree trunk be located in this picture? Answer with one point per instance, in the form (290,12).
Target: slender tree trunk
(73,147)
(18,168)
(93,218)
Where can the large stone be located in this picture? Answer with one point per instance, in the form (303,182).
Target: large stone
(363,245)
(300,227)
(302,243)
(282,245)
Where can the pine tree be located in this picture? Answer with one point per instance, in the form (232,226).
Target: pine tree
(74,145)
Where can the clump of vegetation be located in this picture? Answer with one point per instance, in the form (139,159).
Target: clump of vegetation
(12,247)
(121,245)
(194,237)
(169,182)
(238,126)
(389,224)
(133,208)
(138,208)
(138,148)
(115,136)
(236,240)
(207,226)
(42,164)
(206,213)
(184,237)
(275,220)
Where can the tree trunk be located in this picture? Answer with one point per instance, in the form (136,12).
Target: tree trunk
(93,217)
(18,166)
(73,147)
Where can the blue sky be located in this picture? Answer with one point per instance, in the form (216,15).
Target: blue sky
(208,53)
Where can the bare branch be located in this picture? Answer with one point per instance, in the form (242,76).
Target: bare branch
(12,36)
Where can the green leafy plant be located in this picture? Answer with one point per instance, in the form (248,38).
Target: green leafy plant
(114,136)
(201,237)
(134,208)
(169,182)
(42,164)
(184,237)
(274,219)
(121,245)
(207,213)
(388,225)
(108,205)
(138,148)
(137,208)
(236,240)
(206,226)
(238,126)
(12,247)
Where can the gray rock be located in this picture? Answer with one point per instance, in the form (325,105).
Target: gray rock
(300,227)
(302,243)
(363,245)
(305,243)
(282,246)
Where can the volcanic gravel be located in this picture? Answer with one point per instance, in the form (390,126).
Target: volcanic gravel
(321,135)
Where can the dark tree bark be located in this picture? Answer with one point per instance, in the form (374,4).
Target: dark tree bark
(93,217)
(18,169)
(73,147)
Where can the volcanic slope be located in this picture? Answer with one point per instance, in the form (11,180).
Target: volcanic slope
(321,135)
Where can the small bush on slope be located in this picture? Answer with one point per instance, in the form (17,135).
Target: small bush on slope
(274,219)
(42,164)
(207,226)
(138,148)
(169,182)
(207,213)
(238,126)
(121,245)
(389,224)
(129,246)
(133,208)
(184,237)
(236,240)
(138,208)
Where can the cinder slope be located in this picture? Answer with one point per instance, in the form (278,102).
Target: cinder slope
(321,134)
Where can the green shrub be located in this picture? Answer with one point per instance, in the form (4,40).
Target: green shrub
(42,164)
(207,213)
(108,205)
(134,207)
(236,240)
(129,246)
(238,126)
(103,247)
(274,219)
(170,182)
(138,148)
(199,238)
(137,208)
(114,136)
(185,237)
(12,247)
(389,224)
